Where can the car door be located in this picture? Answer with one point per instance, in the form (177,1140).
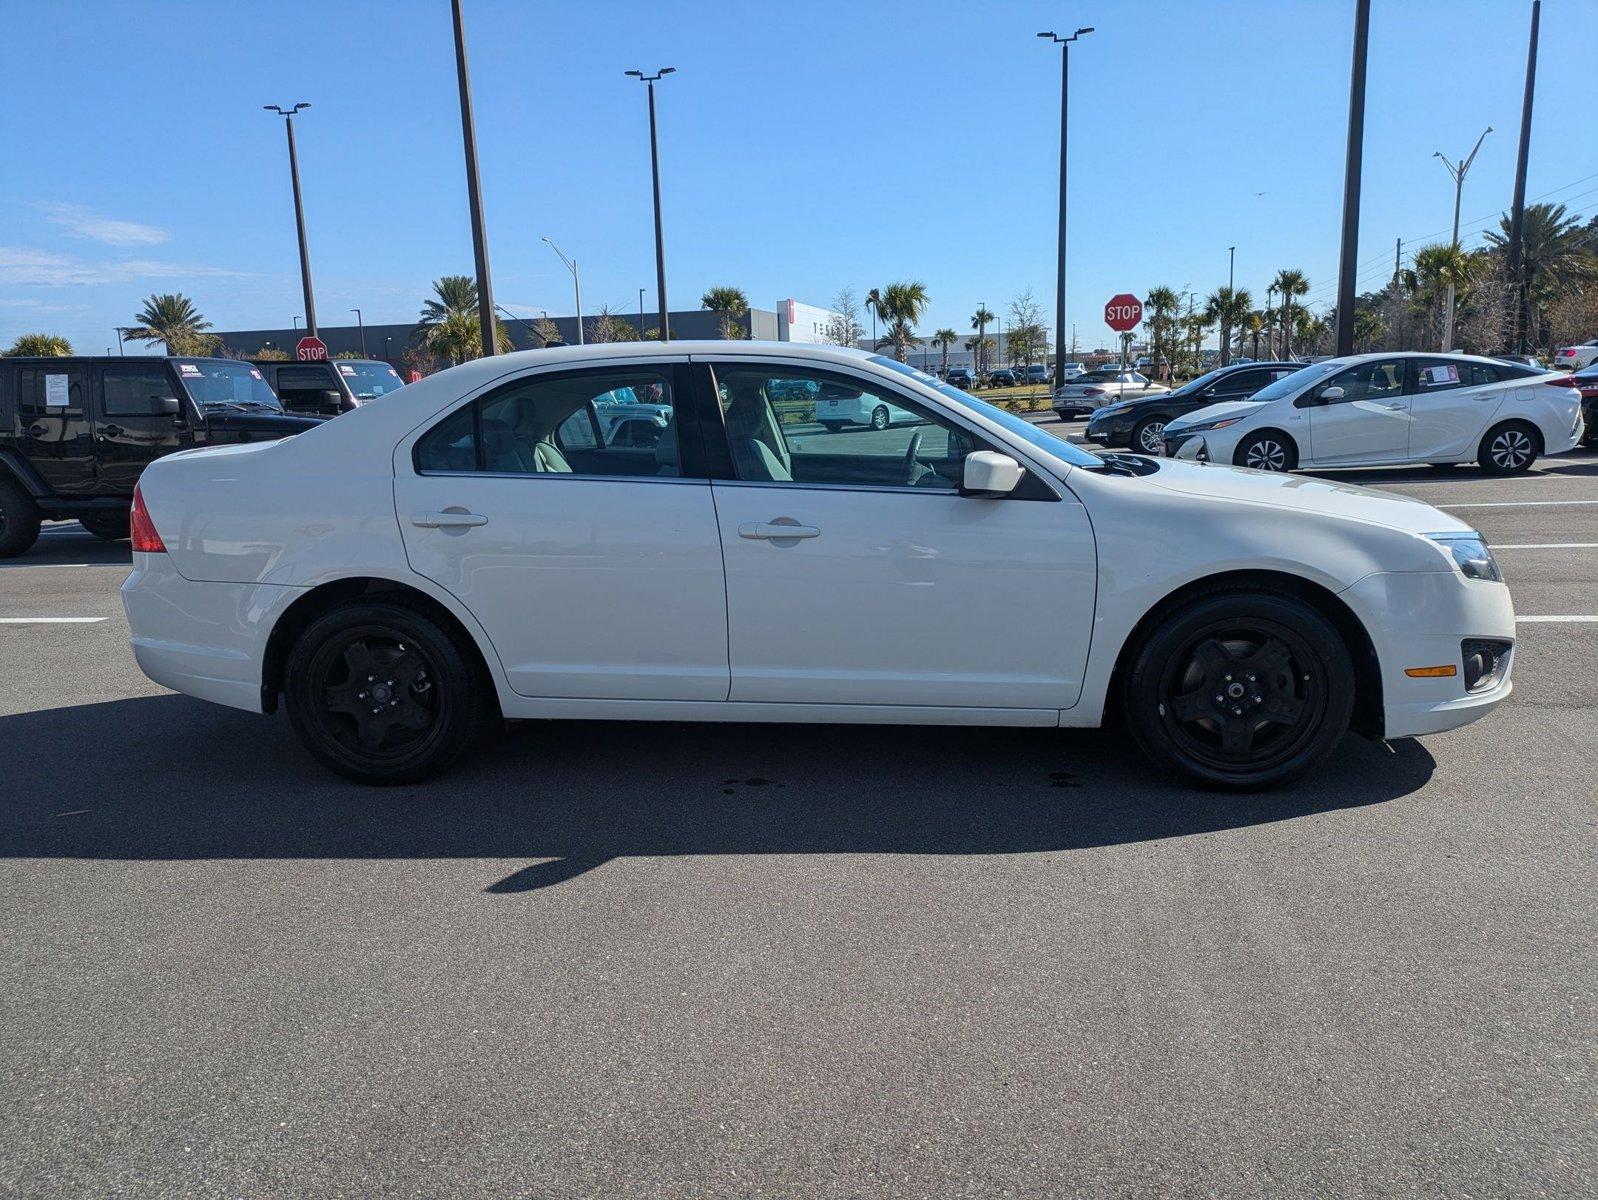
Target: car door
(858,575)
(57,433)
(595,570)
(1451,401)
(1359,415)
(138,416)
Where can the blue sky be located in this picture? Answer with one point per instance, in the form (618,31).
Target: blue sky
(806,147)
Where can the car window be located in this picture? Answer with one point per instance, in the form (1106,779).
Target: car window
(46,391)
(891,442)
(1379,380)
(1441,375)
(132,391)
(549,425)
(1242,383)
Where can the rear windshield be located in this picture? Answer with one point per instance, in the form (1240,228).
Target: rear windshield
(369,380)
(223,382)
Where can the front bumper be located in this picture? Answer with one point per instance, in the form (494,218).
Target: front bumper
(1189,446)
(1110,431)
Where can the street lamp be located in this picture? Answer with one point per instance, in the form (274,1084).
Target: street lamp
(299,211)
(1457,170)
(1231,268)
(1059,290)
(121,329)
(360,323)
(474,188)
(654,167)
(297,320)
(577,284)
(640,314)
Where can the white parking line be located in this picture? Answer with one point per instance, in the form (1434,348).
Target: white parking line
(1557,620)
(1513,504)
(50,620)
(1548,546)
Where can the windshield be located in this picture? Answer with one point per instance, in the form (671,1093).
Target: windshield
(215,382)
(1032,434)
(1297,381)
(1099,376)
(368,379)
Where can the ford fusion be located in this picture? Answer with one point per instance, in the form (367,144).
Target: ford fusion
(476,547)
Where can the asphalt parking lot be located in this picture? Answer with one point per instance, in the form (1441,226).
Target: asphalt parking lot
(615,960)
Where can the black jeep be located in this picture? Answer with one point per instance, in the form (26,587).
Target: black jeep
(75,433)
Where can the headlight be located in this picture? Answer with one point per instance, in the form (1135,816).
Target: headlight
(1470,553)
(1114,410)
(1206,426)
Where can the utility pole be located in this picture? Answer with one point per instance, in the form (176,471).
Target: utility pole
(474,188)
(360,323)
(1457,170)
(299,211)
(1231,268)
(1351,179)
(577,286)
(1398,286)
(640,314)
(654,169)
(1270,328)
(1065,101)
(1517,213)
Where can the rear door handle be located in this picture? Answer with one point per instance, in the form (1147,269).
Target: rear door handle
(448,519)
(776,530)
(110,431)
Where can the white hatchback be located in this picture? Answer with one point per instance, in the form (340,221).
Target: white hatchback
(1380,409)
(470,548)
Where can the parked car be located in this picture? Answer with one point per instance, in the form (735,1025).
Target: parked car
(1573,358)
(625,406)
(1525,360)
(1140,423)
(1074,370)
(840,405)
(76,433)
(961,377)
(1585,381)
(1377,409)
(1002,377)
(453,553)
(1037,373)
(1087,392)
(326,389)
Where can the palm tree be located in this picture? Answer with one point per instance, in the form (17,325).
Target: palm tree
(979,322)
(174,320)
(1227,307)
(39,345)
(1252,325)
(1555,256)
(1160,315)
(1434,269)
(943,339)
(456,294)
(732,304)
(901,305)
(1289,282)
(444,322)
(874,303)
(1368,328)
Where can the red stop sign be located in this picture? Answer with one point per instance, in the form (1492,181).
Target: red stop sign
(1123,312)
(311,349)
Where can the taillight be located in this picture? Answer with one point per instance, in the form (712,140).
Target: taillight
(1093,391)
(145,539)
(1564,381)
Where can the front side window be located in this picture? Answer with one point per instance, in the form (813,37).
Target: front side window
(551,425)
(218,381)
(369,379)
(134,391)
(1380,380)
(774,422)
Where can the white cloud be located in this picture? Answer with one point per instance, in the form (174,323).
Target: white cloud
(80,222)
(41,268)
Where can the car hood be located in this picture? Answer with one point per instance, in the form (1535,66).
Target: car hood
(1284,490)
(1215,412)
(275,424)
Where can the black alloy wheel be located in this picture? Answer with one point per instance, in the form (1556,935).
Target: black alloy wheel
(1267,451)
(381,693)
(1508,449)
(1149,436)
(1241,690)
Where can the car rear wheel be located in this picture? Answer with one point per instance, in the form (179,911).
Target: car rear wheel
(19,519)
(1240,690)
(1149,436)
(833,426)
(879,417)
(381,693)
(1267,451)
(108,527)
(1509,449)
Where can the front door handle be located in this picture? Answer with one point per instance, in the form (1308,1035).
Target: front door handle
(36,430)
(451,518)
(778,530)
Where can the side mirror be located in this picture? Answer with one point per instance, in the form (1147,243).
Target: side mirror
(1332,393)
(165,406)
(989,475)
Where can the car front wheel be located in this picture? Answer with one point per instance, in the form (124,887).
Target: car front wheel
(879,417)
(1266,451)
(383,694)
(1149,436)
(19,519)
(1240,690)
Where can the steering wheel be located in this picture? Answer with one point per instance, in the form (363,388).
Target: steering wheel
(910,459)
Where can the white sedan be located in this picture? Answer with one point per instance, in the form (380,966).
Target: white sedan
(1574,358)
(1380,409)
(1095,389)
(469,549)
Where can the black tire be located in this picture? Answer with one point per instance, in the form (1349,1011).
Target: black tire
(1509,448)
(1149,427)
(1266,450)
(426,675)
(108,527)
(19,519)
(833,426)
(1283,674)
(879,417)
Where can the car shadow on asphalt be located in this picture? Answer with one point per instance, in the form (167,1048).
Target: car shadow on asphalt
(170,778)
(1577,464)
(71,545)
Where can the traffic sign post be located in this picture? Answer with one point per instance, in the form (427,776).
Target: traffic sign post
(311,349)
(1123,312)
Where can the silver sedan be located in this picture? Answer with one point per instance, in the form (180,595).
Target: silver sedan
(1097,388)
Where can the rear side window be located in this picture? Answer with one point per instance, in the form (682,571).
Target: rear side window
(451,445)
(134,391)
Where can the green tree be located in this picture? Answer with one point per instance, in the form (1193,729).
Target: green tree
(1160,309)
(443,327)
(1227,307)
(271,354)
(980,321)
(39,345)
(1028,337)
(605,326)
(1556,256)
(1289,282)
(901,306)
(173,320)
(733,306)
(455,294)
(943,339)
(546,332)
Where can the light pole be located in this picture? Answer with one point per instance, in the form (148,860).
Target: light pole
(388,355)
(1351,179)
(654,168)
(1457,170)
(640,314)
(1059,288)
(1270,329)
(121,329)
(360,323)
(1231,268)
(474,188)
(577,285)
(299,211)
(1517,211)
(297,320)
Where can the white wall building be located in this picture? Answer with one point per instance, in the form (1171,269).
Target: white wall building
(798,322)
